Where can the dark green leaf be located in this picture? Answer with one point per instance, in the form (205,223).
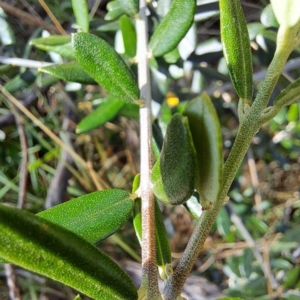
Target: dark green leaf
(51,250)
(94,216)
(81,12)
(60,44)
(129,36)
(21,81)
(102,63)
(292,277)
(173,174)
(207,138)
(105,112)
(173,27)
(236,47)
(70,71)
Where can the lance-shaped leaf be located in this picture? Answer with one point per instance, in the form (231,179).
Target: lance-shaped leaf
(207,138)
(173,27)
(39,245)
(114,10)
(290,95)
(236,47)
(102,63)
(173,175)
(60,44)
(70,71)
(105,112)
(130,7)
(94,216)
(81,12)
(129,36)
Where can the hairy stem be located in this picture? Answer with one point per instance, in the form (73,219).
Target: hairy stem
(149,288)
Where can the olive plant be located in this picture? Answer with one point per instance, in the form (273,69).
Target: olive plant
(60,242)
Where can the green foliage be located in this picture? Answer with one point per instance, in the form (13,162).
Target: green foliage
(105,112)
(237,51)
(207,139)
(81,12)
(173,27)
(46,248)
(94,216)
(174,183)
(60,44)
(186,143)
(70,71)
(102,63)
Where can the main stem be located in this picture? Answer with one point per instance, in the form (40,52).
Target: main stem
(149,287)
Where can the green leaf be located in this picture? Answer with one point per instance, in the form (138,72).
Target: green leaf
(105,112)
(101,62)
(21,81)
(81,12)
(70,71)
(236,47)
(129,36)
(51,250)
(173,27)
(268,18)
(206,132)
(114,10)
(290,95)
(60,44)
(130,110)
(173,175)
(292,277)
(130,7)
(94,216)
(287,12)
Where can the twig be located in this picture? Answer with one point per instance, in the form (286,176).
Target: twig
(14,292)
(57,140)
(149,273)
(26,17)
(22,62)
(52,17)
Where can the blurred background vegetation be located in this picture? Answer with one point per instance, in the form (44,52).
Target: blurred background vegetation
(253,251)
